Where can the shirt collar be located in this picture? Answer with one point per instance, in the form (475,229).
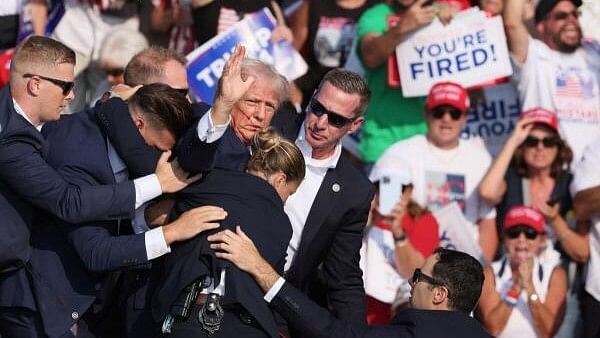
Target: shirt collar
(306,149)
(20,111)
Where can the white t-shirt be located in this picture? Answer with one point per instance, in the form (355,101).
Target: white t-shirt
(10,7)
(587,175)
(440,177)
(565,83)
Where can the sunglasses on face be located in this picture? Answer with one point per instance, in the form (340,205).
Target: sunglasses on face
(65,85)
(114,72)
(418,275)
(333,118)
(548,141)
(558,16)
(439,113)
(515,233)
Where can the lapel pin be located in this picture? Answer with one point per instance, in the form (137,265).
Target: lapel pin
(335,187)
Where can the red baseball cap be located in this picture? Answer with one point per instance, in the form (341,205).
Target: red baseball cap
(543,116)
(448,93)
(522,215)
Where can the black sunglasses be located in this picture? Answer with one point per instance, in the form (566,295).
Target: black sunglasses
(564,15)
(514,233)
(333,118)
(439,112)
(65,85)
(114,71)
(548,141)
(418,275)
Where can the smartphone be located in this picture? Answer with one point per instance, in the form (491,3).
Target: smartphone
(390,192)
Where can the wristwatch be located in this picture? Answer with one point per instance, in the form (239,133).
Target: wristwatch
(534,298)
(400,240)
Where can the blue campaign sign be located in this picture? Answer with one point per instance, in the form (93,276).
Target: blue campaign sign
(56,12)
(205,64)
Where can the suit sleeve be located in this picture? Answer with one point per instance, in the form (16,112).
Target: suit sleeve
(310,319)
(25,171)
(101,252)
(195,155)
(341,271)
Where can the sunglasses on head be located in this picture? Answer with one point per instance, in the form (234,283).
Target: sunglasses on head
(514,233)
(66,86)
(439,112)
(418,275)
(558,16)
(548,141)
(114,72)
(333,118)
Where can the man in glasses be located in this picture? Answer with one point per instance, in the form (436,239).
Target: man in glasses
(444,292)
(559,70)
(523,296)
(41,85)
(446,169)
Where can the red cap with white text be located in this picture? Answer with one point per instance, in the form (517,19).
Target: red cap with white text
(448,93)
(543,116)
(522,215)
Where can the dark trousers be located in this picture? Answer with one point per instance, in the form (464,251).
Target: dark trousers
(590,312)
(231,326)
(20,322)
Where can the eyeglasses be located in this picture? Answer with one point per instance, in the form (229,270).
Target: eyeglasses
(418,275)
(65,85)
(333,118)
(514,233)
(558,16)
(439,112)
(114,72)
(548,141)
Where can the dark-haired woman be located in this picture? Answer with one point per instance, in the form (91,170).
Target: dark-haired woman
(533,169)
(254,200)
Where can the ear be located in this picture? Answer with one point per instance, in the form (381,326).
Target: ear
(540,27)
(33,86)
(278,179)
(356,124)
(139,122)
(440,295)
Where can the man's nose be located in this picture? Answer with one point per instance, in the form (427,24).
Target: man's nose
(71,95)
(322,121)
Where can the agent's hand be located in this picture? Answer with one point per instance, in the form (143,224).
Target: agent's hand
(193,222)
(124,92)
(171,176)
(157,212)
(237,248)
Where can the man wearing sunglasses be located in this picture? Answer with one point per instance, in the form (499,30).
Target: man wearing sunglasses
(444,292)
(558,70)
(446,169)
(523,296)
(41,85)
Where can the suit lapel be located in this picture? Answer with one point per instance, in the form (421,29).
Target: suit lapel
(323,204)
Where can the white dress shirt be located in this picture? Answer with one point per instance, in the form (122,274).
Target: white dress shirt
(299,204)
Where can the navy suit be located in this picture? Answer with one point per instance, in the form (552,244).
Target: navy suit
(316,322)
(332,234)
(27,182)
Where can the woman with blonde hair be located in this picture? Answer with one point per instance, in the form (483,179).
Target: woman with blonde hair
(217,292)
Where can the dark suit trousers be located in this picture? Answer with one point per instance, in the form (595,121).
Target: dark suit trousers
(231,326)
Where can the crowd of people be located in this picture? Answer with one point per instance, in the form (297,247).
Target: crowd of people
(132,209)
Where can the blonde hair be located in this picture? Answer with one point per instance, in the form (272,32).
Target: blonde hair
(40,52)
(271,154)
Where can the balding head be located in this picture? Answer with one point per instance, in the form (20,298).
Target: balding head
(157,65)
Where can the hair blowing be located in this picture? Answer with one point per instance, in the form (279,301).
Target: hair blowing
(164,106)
(40,51)
(271,154)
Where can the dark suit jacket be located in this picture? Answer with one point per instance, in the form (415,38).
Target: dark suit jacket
(27,182)
(332,235)
(72,258)
(254,205)
(316,322)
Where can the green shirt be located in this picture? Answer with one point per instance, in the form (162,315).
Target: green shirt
(390,116)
